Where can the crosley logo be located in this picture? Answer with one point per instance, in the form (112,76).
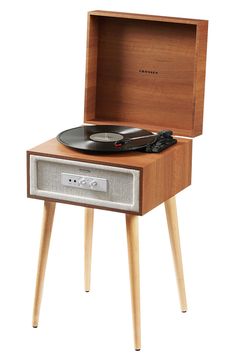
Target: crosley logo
(146,71)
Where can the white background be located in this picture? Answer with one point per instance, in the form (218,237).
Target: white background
(42,67)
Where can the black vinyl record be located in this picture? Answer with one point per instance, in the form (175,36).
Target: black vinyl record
(106,138)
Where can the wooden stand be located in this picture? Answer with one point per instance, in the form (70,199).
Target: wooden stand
(47,222)
(89,218)
(133,254)
(172,220)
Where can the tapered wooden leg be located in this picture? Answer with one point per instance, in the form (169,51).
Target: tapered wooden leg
(171,214)
(48,216)
(89,218)
(133,254)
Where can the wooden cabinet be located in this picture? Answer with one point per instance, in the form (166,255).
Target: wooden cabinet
(142,71)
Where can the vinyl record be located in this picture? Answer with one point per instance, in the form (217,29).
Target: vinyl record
(105,138)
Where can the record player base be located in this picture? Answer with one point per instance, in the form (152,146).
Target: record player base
(133,255)
(132,183)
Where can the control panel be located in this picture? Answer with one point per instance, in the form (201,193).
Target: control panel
(85,182)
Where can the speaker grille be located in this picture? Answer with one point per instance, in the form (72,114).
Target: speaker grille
(122,191)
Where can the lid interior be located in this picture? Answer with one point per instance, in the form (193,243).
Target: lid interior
(141,73)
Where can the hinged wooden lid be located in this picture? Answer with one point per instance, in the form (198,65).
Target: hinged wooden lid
(146,71)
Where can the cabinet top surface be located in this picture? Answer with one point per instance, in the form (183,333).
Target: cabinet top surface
(133,159)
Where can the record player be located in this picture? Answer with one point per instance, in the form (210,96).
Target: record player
(144,72)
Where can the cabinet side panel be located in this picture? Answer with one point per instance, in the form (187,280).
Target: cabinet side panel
(28,172)
(167,176)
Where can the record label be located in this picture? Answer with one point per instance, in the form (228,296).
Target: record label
(106,137)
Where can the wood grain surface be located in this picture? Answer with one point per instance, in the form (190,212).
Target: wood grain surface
(172,221)
(47,223)
(133,256)
(146,71)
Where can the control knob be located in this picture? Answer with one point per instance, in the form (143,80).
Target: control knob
(93,183)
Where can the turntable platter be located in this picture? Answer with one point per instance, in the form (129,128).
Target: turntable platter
(105,138)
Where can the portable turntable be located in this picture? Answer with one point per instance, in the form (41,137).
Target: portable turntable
(115,139)
(144,72)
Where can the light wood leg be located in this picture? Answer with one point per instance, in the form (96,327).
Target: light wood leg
(89,218)
(133,254)
(171,214)
(48,216)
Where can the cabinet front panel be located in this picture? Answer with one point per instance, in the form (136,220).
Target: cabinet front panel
(85,183)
